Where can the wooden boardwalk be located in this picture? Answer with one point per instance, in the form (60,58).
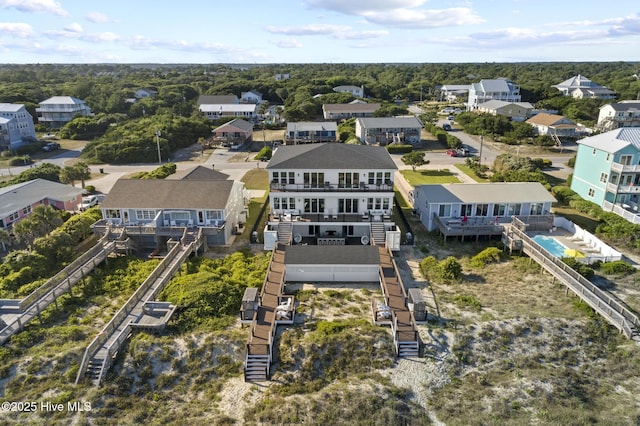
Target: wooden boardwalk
(403,325)
(263,328)
(16,314)
(102,350)
(603,303)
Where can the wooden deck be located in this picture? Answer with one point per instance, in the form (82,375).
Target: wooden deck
(403,325)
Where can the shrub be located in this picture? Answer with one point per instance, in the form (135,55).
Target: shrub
(486,256)
(399,149)
(467,301)
(90,189)
(451,269)
(580,268)
(617,267)
(563,194)
(265,153)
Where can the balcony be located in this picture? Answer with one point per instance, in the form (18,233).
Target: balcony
(328,187)
(373,216)
(625,168)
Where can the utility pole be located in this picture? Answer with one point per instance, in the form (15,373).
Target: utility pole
(158,145)
(480,153)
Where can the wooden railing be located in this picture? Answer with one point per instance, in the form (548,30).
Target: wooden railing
(617,314)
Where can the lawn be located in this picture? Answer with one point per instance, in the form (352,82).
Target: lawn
(423,177)
(256,179)
(469,172)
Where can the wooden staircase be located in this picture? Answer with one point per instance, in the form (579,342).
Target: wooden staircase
(378,233)
(256,368)
(285,232)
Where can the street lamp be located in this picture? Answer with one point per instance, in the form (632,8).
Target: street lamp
(158,145)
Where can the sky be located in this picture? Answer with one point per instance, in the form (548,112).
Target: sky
(318,31)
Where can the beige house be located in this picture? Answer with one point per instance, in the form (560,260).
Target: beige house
(517,111)
(554,125)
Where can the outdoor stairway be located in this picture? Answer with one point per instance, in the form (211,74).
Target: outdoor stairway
(611,309)
(403,324)
(378,233)
(101,352)
(263,327)
(285,232)
(23,311)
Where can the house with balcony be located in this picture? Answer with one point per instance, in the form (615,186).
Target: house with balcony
(355,91)
(59,110)
(331,194)
(16,126)
(350,110)
(18,201)
(453,92)
(619,114)
(474,210)
(302,132)
(387,130)
(500,89)
(607,171)
(516,111)
(554,125)
(152,211)
(580,87)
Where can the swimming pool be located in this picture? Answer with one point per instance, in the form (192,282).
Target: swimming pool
(550,244)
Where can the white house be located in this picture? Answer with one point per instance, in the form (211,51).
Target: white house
(16,126)
(352,109)
(500,89)
(619,114)
(251,97)
(554,125)
(452,207)
(331,194)
(388,130)
(516,111)
(581,87)
(453,92)
(59,110)
(311,132)
(145,93)
(357,92)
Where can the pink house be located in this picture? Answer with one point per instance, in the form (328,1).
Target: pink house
(18,201)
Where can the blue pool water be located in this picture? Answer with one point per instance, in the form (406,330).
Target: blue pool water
(550,244)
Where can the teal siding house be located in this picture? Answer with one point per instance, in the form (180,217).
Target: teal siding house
(607,171)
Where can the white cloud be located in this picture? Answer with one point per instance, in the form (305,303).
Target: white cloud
(289,43)
(361,35)
(97,17)
(400,13)
(311,29)
(74,28)
(35,6)
(16,29)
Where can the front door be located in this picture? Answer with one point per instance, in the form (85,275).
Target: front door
(200,217)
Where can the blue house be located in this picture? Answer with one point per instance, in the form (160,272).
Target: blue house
(607,171)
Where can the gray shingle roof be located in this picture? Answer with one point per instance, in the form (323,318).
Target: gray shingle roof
(331,156)
(391,122)
(199,173)
(312,126)
(239,123)
(20,195)
(497,192)
(624,106)
(168,194)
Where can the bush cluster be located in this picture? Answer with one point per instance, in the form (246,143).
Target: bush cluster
(399,149)
(443,137)
(447,270)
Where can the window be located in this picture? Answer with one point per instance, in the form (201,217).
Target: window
(375,178)
(284,203)
(26,210)
(387,177)
(604,177)
(377,204)
(608,156)
(466,209)
(13,216)
(594,151)
(625,160)
(347,205)
(514,209)
(499,209)
(444,210)
(592,192)
(112,214)
(482,209)
(536,209)
(145,214)
(314,205)
(348,180)
(214,215)
(313,180)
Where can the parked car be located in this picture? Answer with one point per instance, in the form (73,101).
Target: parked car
(88,202)
(463,151)
(452,152)
(451,118)
(446,126)
(51,146)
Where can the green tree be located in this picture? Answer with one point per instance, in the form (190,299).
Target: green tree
(5,239)
(414,159)
(39,223)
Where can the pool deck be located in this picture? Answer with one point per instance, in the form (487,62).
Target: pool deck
(565,237)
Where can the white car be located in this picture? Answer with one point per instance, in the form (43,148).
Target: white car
(88,202)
